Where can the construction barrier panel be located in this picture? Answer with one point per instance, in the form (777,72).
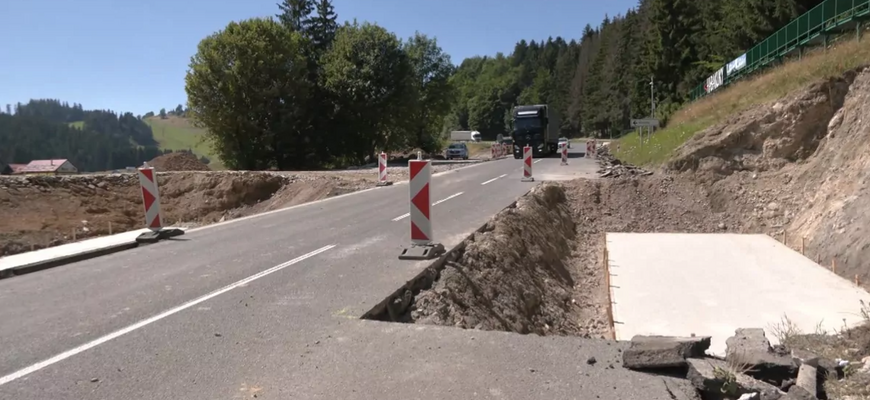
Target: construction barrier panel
(423,247)
(151,198)
(590,149)
(527,164)
(421,224)
(564,151)
(382,170)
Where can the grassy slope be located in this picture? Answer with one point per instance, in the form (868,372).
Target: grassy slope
(179,134)
(769,86)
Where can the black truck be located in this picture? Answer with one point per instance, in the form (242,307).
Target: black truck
(536,126)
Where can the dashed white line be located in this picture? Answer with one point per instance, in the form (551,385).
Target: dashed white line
(69,353)
(406,215)
(539,160)
(494,179)
(447,198)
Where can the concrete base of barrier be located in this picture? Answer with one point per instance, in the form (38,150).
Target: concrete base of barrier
(528,179)
(154,237)
(387,183)
(422,252)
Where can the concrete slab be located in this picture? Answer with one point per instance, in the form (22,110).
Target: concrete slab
(711,284)
(70,252)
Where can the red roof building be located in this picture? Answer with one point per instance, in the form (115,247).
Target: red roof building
(50,167)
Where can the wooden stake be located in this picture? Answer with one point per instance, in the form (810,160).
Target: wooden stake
(74,234)
(857,280)
(110,227)
(802,244)
(31,247)
(784,238)
(834,264)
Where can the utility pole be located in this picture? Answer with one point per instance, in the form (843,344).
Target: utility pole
(652,97)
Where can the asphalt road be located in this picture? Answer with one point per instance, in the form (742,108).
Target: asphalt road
(240,308)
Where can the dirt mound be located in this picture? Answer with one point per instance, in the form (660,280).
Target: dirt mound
(44,211)
(767,137)
(796,167)
(178,161)
(610,167)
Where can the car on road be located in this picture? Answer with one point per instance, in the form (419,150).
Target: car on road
(457,150)
(565,140)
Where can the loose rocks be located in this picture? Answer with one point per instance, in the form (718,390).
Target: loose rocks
(750,347)
(655,352)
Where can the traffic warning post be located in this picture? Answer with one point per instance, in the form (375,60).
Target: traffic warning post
(382,170)
(153,213)
(564,151)
(590,149)
(423,247)
(527,164)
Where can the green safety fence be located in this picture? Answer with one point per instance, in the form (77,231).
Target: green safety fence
(831,17)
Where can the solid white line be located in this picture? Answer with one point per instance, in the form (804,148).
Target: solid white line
(537,161)
(494,179)
(403,216)
(69,353)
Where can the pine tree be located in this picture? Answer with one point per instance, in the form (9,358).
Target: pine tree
(323,25)
(295,14)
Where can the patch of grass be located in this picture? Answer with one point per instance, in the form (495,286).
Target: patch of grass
(176,133)
(77,124)
(740,96)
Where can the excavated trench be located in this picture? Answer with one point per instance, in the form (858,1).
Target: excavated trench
(512,274)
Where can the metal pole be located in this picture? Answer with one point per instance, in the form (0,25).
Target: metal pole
(652,98)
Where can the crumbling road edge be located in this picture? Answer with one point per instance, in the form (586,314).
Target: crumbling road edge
(393,306)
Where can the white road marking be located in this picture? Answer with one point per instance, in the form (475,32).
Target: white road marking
(280,210)
(406,215)
(114,335)
(538,161)
(447,198)
(494,179)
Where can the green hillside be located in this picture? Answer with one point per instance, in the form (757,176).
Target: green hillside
(177,133)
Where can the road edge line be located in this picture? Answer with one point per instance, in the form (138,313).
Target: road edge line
(145,322)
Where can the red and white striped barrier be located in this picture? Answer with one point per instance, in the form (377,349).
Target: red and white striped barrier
(151,198)
(153,214)
(422,245)
(590,149)
(527,164)
(564,150)
(382,170)
(494,151)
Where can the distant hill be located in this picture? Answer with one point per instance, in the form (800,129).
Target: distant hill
(97,140)
(178,133)
(93,140)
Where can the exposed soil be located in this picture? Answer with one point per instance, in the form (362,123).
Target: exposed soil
(43,211)
(800,167)
(538,267)
(796,169)
(178,161)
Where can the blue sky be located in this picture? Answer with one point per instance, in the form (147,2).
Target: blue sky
(129,55)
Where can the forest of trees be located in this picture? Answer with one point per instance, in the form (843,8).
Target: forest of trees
(302,91)
(602,80)
(41,129)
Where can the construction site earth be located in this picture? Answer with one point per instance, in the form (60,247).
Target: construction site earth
(737,270)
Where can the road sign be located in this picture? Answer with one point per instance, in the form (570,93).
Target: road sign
(637,123)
